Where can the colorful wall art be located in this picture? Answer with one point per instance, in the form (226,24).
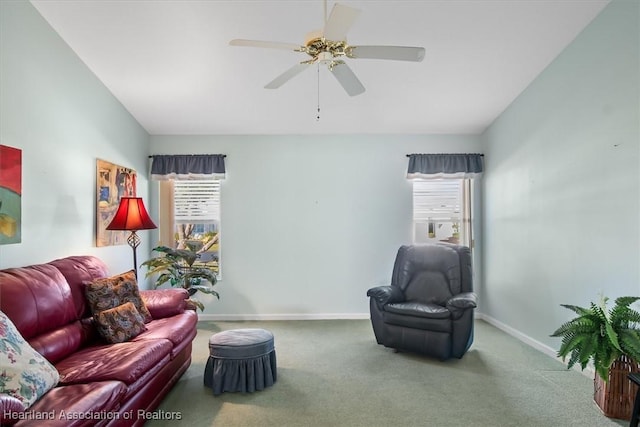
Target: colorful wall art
(10,195)
(113,182)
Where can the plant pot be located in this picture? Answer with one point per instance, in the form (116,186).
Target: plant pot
(615,397)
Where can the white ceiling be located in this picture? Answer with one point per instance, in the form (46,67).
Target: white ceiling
(170,64)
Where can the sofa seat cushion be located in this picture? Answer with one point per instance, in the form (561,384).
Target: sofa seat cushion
(176,329)
(125,362)
(64,341)
(79,400)
(148,377)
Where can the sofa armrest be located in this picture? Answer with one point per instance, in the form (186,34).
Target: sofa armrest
(165,302)
(386,294)
(459,303)
(10,410)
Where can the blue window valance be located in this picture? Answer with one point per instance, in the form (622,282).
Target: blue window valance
(433,166)
(188,166)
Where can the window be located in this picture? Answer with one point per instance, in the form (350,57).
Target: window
(441,211)
(190,218)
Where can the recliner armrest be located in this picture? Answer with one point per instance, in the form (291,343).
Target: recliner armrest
(463,300)
(386,294)
(459,303)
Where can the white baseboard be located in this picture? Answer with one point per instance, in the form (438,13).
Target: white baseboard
(300,316)
(531,342)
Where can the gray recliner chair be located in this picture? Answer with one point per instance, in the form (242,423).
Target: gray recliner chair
(429,306)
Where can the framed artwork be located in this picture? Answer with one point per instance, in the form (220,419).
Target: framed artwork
(10,195)
(113,182)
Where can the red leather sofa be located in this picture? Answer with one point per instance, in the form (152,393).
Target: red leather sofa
(100,384)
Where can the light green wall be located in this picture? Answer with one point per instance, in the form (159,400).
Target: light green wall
(562,188)
(61,116)
(309,223)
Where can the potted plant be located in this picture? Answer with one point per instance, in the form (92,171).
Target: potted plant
(610,339)
(178,267)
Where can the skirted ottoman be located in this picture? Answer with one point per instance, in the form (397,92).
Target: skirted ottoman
(241,360)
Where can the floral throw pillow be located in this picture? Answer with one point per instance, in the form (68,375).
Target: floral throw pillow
(24,373)
(120,324)
(110,292)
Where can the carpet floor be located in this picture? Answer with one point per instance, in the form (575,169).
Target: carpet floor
(332,373)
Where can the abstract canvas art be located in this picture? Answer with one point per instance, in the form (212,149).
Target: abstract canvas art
(10,195)
(113,182)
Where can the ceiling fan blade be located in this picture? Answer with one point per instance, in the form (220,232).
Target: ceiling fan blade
(347,79)
(397,53)
(260,43)
(287,75)
(339,22)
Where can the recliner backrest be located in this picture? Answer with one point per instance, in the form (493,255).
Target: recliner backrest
(466,268)
(428,273)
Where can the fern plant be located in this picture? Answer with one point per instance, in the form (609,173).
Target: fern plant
(600,335)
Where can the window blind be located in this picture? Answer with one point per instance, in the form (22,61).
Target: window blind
(196,201)
(437,200)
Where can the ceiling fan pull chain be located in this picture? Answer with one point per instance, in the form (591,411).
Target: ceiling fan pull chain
(318,116)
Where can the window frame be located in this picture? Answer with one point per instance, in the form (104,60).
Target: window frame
(167,217)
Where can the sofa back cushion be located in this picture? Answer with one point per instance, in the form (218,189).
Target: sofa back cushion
(36,298)
(38,301)
(79,270)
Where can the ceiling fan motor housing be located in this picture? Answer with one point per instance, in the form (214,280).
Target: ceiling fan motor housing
(316,47)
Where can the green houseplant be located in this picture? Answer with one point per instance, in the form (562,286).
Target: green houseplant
(610,339)
(600,336)
(179,268)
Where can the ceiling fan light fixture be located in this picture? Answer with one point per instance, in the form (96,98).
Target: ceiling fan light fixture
(325,57)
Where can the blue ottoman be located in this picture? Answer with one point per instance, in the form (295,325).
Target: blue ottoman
(241,360)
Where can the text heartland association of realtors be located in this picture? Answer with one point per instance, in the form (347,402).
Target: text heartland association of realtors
(140,414)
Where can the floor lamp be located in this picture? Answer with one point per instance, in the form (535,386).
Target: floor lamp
(132,216)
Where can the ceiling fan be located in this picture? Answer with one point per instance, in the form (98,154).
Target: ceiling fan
(329,45)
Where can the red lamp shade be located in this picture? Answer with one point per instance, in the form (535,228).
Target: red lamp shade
(131,215)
